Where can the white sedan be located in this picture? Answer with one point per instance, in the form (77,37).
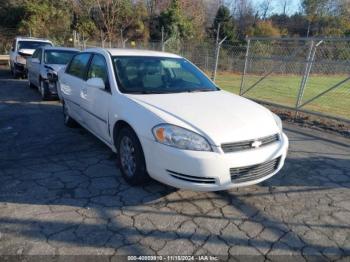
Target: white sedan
(43,67)
(167,120)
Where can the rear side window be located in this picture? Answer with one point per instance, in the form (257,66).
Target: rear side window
(78,65)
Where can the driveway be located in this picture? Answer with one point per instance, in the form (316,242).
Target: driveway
(61,193)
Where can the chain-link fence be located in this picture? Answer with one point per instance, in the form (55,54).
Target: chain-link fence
(203,54)
(304,74)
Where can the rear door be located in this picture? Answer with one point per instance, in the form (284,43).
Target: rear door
(95,101)
(73,83)
(34,67)
(30,67)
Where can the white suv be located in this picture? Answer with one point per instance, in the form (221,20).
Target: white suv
(22,48)
(168,120)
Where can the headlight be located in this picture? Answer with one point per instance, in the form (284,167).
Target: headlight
(179,137)
(20,59)
(278,121)
(51,75)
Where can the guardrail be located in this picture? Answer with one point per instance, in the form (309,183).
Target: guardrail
(4,59)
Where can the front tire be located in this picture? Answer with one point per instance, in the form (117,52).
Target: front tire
(68,121)
(30,84)
(14,73)
(130,157)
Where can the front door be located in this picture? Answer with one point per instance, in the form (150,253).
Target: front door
(96,102)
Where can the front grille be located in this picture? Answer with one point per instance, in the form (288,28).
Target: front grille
(248,144)
(249,173)
(193,179)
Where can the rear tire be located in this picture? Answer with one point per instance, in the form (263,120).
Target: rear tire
(68,121)
(44,91)
(130,157)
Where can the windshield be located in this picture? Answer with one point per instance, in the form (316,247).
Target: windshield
(58,57)
(32,44)
(149,75)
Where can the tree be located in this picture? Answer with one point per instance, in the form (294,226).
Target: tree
(264,28)
(46,18)
(11,13)
(82,17)
(194,11)
(284,4)
(138,29)
(265,8)
(175,23)
(313,9)
(227,25)
(245,16)
(113,17)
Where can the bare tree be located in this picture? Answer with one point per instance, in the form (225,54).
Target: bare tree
(154,7)
(284,4)
(114,16)
(265,8)
(245,15)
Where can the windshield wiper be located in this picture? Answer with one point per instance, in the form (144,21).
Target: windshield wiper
(146,92)
(199,90)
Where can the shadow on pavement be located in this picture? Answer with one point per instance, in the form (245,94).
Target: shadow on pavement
(70,191)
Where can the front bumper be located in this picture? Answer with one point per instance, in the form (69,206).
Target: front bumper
(163,161)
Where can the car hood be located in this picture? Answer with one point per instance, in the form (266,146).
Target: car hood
(220,116)
(26,52)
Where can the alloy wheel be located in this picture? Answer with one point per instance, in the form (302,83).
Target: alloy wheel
(127,156)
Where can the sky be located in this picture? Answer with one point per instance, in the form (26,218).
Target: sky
(277,5)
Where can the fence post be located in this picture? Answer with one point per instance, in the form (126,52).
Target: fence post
(213,77)
(309,61)
(245,68)
(163,47)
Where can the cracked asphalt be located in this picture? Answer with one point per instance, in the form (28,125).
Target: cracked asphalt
(61,194)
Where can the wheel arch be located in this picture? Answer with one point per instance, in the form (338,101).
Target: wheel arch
(118,126)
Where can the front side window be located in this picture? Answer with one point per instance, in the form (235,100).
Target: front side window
(32,44)
(58,57)
(98,68)
(78,65)
(159,75)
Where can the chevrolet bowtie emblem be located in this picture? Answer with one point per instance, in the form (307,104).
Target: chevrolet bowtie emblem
(256,144)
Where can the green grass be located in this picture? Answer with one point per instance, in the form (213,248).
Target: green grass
(284,90)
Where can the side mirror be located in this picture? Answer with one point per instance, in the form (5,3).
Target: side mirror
(96,82)
(35,60)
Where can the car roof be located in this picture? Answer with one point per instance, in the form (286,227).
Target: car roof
(22,38)
(58,48)
(133,52)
